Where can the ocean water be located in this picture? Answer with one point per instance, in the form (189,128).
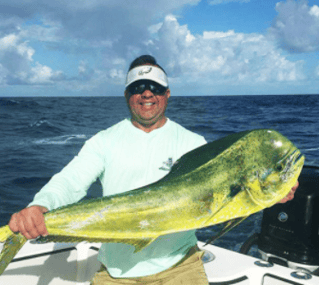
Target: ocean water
(38,136)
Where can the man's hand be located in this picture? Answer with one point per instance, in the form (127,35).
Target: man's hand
(29,222)
(290,195)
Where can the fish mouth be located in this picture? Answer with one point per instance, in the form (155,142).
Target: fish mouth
(299,157)
(293,159)
(289,168)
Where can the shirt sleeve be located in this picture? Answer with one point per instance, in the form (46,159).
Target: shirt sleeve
(189,141)
(72,182)
(199,142)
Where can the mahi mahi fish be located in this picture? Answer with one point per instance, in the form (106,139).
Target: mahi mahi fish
(228,179)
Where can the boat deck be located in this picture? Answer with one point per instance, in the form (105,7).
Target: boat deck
(75,264)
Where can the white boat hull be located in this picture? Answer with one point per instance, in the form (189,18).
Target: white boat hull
(71,264)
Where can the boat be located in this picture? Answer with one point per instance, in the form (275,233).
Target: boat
(288,244)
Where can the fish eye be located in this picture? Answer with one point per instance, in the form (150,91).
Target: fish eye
(279,167)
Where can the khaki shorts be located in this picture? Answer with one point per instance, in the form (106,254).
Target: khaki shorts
(189,271)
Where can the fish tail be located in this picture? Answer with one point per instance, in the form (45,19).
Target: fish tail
(5,232)
(12,245)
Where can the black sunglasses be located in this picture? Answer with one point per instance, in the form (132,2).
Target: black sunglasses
(140,86)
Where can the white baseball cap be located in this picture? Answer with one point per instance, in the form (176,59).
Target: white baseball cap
(147,72)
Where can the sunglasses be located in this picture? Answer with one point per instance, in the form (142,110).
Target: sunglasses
(140,86)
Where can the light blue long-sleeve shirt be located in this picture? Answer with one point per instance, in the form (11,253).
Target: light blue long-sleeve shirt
(124,157)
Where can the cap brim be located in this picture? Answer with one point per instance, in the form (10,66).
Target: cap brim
(147,72)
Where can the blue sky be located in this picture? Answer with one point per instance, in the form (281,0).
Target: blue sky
(207,47)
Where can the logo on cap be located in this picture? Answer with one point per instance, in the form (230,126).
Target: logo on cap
(145,70)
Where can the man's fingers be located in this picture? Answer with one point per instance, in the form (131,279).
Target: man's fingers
(39,224)
(294,189)
(23,227)
(291,194)
(30,226)
(13,223)
(29,222)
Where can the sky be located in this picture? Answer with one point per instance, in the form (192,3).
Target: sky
(207,47)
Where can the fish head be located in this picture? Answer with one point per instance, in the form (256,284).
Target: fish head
(279,163)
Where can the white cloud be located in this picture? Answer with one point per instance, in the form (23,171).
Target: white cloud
(216,57)
(17,66)
(85,73)
(47,33)
(95,29)
(98,20)
(40,74)
(10,43)
(314,11)
(296,26)
(217,35)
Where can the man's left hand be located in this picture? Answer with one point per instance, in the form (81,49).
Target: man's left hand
(290,195)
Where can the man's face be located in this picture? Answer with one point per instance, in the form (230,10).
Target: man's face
(148,109)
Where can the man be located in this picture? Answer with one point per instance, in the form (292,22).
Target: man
(130,154)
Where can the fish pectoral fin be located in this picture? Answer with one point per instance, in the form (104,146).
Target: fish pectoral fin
(11,247)
(140,244)
(229,225)
(234,192)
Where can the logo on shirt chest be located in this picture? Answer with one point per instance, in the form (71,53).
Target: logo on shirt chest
(167,165)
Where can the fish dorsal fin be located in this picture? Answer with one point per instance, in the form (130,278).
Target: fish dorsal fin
(198,156)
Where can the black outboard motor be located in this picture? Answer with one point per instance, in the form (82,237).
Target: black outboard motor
(289,234)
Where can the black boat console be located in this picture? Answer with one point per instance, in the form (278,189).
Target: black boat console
(289,232)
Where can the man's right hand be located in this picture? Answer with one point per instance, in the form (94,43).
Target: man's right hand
(29,222)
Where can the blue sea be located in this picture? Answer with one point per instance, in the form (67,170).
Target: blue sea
(38,136)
